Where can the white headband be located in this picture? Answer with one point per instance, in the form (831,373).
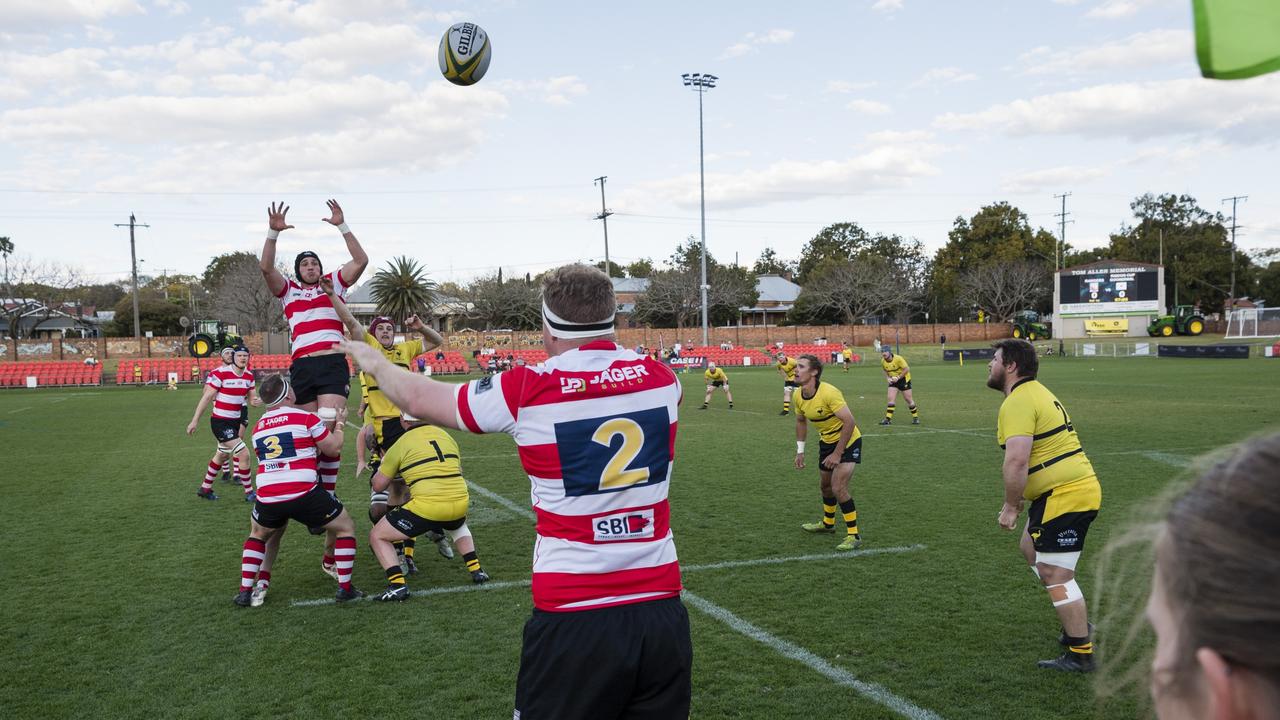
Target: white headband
(283,392)
(562,328)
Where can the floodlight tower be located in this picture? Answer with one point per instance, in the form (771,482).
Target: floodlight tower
(701,84)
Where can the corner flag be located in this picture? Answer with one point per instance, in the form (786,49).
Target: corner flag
(1237,39)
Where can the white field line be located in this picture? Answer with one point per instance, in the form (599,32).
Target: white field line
(449,590)
(840,676)
(511,505)
(1173,459)
(19,410)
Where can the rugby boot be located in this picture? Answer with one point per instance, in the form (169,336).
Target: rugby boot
(243,598)
(785,412)
(730,406)
(410,567)
(259,595)
(704,406)
(1070,662)
(817,527)
(206,494)
(442,544)
(915,421)
(886,421)
(479,577)
(250,496)
(1062,636)
(850,542)
(394,593)
(330,569)
(345,595)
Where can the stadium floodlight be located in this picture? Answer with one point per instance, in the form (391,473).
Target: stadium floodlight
(701,83)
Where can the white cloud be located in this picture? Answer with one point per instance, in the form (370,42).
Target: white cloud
(1056,177)
(845,86)
(944,75)
(326,15)
(1144,49)
(39,14)
(553,91)
(174,7)
(869,107)
(354,45)
(1113,9)
(887,6)
(751,42)
(879,166)
(1236,112)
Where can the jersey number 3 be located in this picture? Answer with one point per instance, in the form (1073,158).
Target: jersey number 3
(609,454)
(273,447)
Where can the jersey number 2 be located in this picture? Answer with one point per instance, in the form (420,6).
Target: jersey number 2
(611,454)
(616,475)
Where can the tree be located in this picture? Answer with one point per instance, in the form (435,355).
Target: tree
(1268,284)
(239,295)
(839,242)
(671,300)
(40,286)
(997,233)
(402,289)
(641,268)
(770,264)
(156,315)
(615,270)
(1002,289)
(674,299)
(513,304)
(850,291)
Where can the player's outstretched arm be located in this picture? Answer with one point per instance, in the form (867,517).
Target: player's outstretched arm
(802,431)
(205,399)
(352,271)
(430,338)
(415,394)
(332,443)
(275,225)
(1017,453)
(353,325)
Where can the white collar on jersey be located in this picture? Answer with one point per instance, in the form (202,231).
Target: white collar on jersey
(568,329)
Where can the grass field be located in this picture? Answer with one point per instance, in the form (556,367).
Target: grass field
(119,580)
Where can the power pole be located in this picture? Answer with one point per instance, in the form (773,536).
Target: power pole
(1233,200)
(603,217)
(1062,230)
(133,256)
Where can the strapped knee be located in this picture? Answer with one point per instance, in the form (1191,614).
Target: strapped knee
(462,532)
(238,447)
(1065,594)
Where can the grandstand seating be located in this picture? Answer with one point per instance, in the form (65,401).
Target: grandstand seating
(823,352)
(728,358)
(453,363)
(49,373)
(156,370)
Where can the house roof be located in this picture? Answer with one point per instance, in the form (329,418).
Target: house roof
(630,285)
(775,288)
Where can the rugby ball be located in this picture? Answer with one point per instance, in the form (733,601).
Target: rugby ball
(464,54)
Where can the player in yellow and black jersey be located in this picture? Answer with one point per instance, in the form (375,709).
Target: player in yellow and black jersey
(839,448)
(1045,463)
(380,412)
(787,369)
(426,458)
(716,378)
(898,373)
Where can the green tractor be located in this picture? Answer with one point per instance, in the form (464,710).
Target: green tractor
(1026,324)
(209,337)
(1184,321)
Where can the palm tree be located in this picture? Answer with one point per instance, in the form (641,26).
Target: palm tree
(402,289)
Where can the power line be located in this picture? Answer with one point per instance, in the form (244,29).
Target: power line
(133,254)
(603,217)
(1234,199)
(1062,230)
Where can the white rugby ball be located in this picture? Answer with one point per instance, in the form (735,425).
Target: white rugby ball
(464,53)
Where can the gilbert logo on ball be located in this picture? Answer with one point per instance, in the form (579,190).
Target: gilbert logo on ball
(464,54)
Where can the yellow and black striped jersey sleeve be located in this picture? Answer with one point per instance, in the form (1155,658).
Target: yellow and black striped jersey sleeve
(1057,457)
(821,410)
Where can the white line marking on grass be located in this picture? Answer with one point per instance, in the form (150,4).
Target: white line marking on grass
(508,504)
(1167,458)
(499,585)
(929,431)
(19,410)
(871,691)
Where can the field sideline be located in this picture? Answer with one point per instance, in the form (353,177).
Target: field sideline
(120,579)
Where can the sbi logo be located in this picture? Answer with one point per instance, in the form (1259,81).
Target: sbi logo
(631,525)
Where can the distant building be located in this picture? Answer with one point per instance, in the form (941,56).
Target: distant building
(777,298)
(445,314)
(35,320)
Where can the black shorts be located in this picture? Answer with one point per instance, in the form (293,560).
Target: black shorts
(413,525)
(718,383)
(790,384)
(320,375)
(852,451)
(1070,515)
(244,416)
(629,661)
(902,384)
(315,509)
(224,429)
(392,430)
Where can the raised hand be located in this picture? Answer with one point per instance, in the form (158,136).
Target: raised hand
(276,217)
(336,217)
(412,322)
(326,284)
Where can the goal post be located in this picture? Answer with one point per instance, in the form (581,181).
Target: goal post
(1253,323)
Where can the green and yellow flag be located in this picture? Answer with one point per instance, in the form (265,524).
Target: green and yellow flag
(1237,38)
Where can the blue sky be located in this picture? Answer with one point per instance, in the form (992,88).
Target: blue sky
(896,114)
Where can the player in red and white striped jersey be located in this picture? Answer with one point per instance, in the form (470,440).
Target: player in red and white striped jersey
(596,429)
(318,372)
(230,389)
(289,442)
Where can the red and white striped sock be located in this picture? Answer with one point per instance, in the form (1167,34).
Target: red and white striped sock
(328,468)
(344,554)
(209,476)
(264,577)
(242,475)
(250,560)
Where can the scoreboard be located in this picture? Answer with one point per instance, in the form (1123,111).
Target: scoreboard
(1096,291)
